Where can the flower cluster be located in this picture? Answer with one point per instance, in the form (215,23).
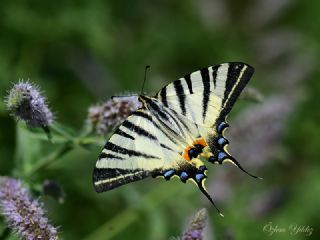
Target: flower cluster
(24,215)
(111,113)
(25,102)
(195,228)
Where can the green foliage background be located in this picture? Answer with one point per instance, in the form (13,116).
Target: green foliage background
(81,52)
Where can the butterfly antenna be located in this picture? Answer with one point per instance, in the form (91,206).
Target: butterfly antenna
(204,191)
(236,163)
(145,78)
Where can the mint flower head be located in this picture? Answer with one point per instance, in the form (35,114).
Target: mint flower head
(26,103)
(196,227)
(111,113)
(24,215)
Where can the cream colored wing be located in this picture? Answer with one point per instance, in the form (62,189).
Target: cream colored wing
(135,150)
(153,141)
(207,95)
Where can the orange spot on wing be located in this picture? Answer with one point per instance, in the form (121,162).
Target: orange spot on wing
(199,141)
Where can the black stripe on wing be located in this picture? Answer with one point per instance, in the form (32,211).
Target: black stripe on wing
(155,108)
(115,177)
(181,95)
(117,149)
(206,90)
(149,118)
(144,115)
(163,94)
(162,115)
(138,130)
(232,93)
(104,155)
(123,134)
(234,71)
(189,83)
(175,118)
(166,147)
(214,75)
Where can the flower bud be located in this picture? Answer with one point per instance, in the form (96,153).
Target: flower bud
(25,102)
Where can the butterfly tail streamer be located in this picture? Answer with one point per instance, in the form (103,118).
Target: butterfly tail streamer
(237,164)
(204,191)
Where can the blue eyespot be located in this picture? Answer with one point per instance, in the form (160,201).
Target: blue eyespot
(168,174)
(221,156)
(222,141)
(184,176)
(199,177)
(222,126)
(202,168)
(194,152)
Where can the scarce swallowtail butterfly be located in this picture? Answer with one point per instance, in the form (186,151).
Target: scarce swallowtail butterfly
(176,131)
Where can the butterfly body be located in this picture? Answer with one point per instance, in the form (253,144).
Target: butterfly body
(176,131)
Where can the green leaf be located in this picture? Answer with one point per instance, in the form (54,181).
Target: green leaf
(27,149)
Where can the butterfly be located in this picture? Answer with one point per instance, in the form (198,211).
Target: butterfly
(176,131)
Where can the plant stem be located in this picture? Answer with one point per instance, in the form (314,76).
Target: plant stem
(67,147)
(112,227)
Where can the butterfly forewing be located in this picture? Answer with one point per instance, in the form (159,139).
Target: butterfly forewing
(142,145)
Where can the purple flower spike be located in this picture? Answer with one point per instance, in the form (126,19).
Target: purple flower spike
(24,215)
(195,228)
(25,102)
(111,113)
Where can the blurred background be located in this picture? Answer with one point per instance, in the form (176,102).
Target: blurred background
(82,52)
